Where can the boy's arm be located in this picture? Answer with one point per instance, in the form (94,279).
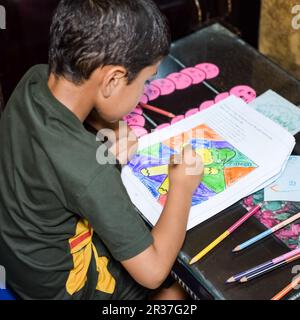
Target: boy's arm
(151,267)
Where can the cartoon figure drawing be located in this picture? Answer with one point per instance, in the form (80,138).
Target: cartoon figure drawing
(224,164)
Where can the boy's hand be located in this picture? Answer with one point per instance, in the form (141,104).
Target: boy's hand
(125,145)
(186,170)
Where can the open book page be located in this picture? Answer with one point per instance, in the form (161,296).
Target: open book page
(241,150)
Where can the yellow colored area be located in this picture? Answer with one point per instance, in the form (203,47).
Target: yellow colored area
(155,171)
(211,171)
(81,251)
(206,156)
(164,188)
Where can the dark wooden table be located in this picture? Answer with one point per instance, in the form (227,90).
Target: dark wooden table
(239,64)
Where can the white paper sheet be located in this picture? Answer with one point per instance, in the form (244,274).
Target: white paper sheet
(258,138)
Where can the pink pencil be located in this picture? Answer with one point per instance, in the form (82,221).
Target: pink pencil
(157,110)
(224,235)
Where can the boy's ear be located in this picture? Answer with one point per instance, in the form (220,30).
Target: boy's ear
(113,77)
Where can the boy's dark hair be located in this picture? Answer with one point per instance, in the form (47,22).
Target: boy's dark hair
(87,34)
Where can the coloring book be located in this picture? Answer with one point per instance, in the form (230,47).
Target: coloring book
(242,151)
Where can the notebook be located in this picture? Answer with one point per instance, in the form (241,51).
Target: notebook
(242,150)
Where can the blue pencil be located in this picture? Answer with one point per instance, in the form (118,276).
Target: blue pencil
(266,233)
(287,256)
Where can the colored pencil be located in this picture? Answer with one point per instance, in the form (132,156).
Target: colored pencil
(267,233)
(157,110)
(264,265)
(154,124)
(269,269)
(224,235)
(287,289)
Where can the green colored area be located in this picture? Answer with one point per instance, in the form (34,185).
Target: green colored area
(240,160)
(215,182)
(152,151)
(214,178)
(222,156)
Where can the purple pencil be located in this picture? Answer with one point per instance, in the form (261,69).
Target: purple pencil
(265,265)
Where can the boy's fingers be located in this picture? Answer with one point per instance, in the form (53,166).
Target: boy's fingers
(175,159)
(189,155)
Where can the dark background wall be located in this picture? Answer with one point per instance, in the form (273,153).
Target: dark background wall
(25,41)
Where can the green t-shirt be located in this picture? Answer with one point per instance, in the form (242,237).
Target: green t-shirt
(65,220)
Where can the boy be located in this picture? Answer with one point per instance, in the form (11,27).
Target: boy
(68,229)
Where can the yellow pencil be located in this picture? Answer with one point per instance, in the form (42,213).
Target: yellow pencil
(224,235)
(202,253)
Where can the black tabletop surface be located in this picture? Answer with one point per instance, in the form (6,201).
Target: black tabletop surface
(239,64)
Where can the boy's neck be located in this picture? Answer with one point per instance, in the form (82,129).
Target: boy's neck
(78,99)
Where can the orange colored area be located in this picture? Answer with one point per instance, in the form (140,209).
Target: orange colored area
(200,132)
(234,174)
(175,143)
(208,133)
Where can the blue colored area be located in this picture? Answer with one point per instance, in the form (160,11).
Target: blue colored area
(6,295)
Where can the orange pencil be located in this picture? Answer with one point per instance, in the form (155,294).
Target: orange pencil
(287,289)
(157,110)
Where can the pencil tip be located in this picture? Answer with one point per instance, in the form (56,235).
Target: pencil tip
(230,280)
(244,279)
(191,262)
(236,249)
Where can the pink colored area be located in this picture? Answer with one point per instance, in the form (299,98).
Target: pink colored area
(246,93)
(162,126)
(191,112)
(206,104)
(197,75)
(137,110)
(166,86)
(139,131)
(177,119)
(210,69)
(152,92)
(221,96)
(135,120)
(144,99)
(181,80)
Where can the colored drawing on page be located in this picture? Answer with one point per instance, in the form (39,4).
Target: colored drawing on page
(224,165)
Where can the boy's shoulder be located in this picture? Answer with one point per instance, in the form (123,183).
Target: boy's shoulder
(36,73)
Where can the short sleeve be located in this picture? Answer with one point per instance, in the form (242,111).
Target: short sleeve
(107,207)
